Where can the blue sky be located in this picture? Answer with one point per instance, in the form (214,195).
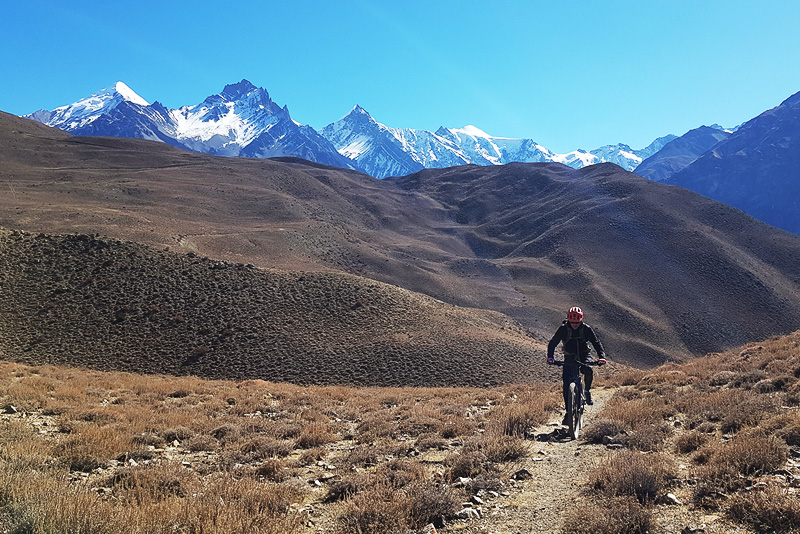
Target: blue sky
(567,74)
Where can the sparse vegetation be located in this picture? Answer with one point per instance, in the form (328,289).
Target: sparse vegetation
(731,419)
(115,452)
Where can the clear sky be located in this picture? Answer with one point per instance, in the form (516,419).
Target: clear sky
(570,75)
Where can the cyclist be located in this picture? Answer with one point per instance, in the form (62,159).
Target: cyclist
(576,336)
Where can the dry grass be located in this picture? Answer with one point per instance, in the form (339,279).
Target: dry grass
(772,509)
(632,474)
(621,515)
(96,452)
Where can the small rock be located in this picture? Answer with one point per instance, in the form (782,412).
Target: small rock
(522,474)
(476,500)
(614,446)
(670,498)
(9,409)
(468,513)
(132,462)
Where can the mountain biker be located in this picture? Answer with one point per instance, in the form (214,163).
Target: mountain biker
(576,336)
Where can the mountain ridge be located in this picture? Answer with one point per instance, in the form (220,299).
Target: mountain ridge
(662,272)
(242,120)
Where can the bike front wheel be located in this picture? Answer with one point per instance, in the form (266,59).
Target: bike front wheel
(575,412)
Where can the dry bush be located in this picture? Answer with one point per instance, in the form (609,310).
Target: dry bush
(530,410)
(364,456)
(347,486)
(312,455)
(785,426)
(261,447)
(92,447)
(179,434)
(602,428)
(314,435)
(497,447)
(690,442)
(418,420)
(623,515)
(748,453)
(426,442)
(272,469)
(632,474)
(202,442)
(468,464)
(378,511)
(429,502)
(150,483)
(399,473)
(772,509)
(376,427)
(455,426)
(635,420)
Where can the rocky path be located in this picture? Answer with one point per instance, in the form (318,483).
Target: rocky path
(558,470)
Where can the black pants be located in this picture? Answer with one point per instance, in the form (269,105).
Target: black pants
(571,372)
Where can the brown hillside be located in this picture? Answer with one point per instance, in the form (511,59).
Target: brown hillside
(662,272)
(110,305)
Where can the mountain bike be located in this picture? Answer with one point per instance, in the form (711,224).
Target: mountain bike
(576,403)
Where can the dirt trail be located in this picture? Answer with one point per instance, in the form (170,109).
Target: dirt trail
(558,468)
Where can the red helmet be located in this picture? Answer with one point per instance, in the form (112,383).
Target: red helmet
(575,315)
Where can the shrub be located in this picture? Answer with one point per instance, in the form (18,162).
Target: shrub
(263,447)
(429,502)
(602,428)
(497,447)
(314,435)
(747,453)
(690,442)
(380,511)
(346,487)
(467,464)
(430,441)
(622,515)
(632,474)
(771,509)
(180,433)
(272,469)
(202,442)
(399,473)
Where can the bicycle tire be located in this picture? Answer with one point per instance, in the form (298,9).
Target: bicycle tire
(574,411)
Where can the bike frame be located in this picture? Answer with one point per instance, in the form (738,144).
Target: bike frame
(575,397)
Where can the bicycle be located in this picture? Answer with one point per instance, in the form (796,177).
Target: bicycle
(575,398)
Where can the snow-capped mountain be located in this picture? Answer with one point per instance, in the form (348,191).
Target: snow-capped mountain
(115,111)
(383,151)
(242,120)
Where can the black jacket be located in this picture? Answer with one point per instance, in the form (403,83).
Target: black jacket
(576,342)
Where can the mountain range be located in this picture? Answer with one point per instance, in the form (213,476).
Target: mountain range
(661,272)
(242,120)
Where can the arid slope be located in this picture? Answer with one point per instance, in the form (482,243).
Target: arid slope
(109,305)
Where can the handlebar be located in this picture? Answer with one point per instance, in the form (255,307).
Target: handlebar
(590,362)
